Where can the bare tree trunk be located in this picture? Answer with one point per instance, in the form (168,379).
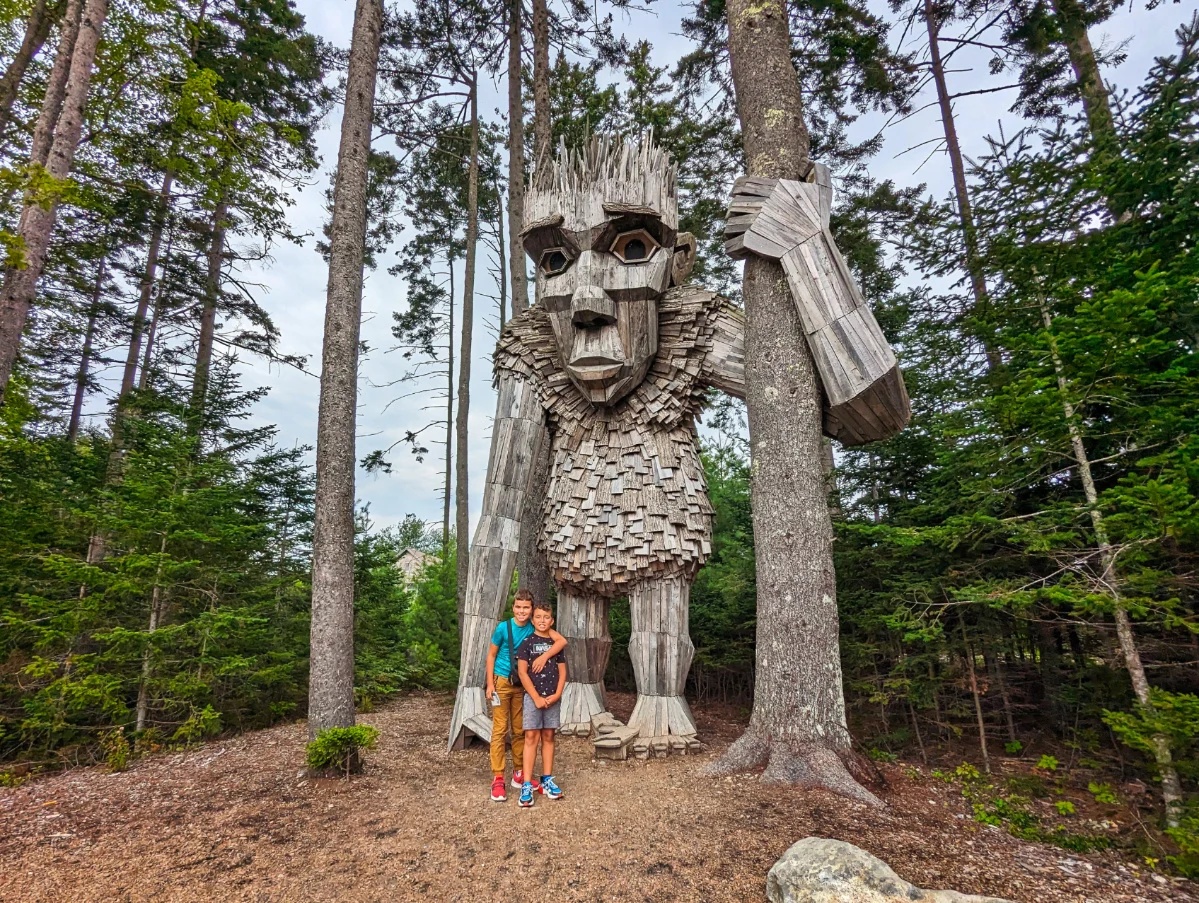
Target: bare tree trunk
(996,666)
(331,678)
(37,29)
(798,723)
(1096,103)
(501,257)
(541,81)
(212,294)
(143,685)
(516,159)
(968,654)
(147,288)
(978,284)
(85,357)
(462,466)
(56,86)
(449,423)
(37,219)
(1109,583)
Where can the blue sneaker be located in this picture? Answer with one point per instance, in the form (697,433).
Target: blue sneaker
(526,795)
(549,788)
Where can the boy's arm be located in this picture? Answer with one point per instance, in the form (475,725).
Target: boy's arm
(491,654)
(561,684)
(542,660)
(522,669)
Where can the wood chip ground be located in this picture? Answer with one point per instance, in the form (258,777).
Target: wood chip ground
(236,820)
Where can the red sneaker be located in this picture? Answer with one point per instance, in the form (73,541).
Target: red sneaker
(497,790)
(518,780)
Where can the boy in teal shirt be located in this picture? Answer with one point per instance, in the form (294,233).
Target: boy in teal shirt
(505,692)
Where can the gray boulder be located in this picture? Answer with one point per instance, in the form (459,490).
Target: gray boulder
(818,870)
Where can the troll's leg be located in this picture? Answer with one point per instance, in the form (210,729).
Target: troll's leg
(583,620)
(661,651)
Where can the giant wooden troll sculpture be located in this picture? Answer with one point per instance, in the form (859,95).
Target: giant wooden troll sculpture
(611,367)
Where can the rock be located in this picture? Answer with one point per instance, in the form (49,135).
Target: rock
(819,870)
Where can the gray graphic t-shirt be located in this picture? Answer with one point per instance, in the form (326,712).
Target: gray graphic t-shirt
(547,681)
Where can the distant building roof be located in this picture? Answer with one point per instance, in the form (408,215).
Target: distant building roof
(412,560)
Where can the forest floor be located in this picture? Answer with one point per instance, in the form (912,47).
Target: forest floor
(237,820)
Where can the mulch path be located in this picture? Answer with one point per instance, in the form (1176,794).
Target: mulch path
(236,820)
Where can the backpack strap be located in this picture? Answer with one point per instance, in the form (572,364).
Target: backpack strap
(513,672)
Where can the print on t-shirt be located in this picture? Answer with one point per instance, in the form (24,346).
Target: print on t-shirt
(547,681)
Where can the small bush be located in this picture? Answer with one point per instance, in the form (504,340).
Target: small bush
(881,755)
(1064,807)
(1103,793)
(1047,763)
(339,748)
(1013,748)
(117,751)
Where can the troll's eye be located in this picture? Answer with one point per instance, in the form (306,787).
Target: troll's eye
(554,261)
(636,246)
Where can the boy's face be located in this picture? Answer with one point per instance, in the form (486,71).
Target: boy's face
(542,620)
(521,610)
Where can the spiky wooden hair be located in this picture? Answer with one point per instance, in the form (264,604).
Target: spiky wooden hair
(631,172)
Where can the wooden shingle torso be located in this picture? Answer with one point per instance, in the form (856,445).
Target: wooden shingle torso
(627,499)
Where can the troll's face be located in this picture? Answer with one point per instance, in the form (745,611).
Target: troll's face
(601,228)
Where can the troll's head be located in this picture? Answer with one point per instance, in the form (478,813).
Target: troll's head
(601,226)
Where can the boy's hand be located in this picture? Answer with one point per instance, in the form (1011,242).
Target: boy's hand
(538,664)
(489,689)
(541,702)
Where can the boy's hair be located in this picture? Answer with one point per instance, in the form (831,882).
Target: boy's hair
(523,595)
(543,606)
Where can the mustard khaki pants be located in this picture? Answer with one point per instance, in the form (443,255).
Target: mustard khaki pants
(509,713)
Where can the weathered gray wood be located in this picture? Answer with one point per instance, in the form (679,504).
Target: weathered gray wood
(788,220)
(496,541)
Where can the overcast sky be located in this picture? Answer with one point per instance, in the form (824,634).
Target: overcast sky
(295,279)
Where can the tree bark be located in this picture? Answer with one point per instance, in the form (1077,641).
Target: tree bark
(85,358)
(37,29)
(449,423)
(541,82)
(147,288)
(516,160)
(1109,583)
(331,680)
(968,654)
(1096,103)
(212,294)
(462,466)
(978,284)
(798,726)
(56,86)
(143,685)
(38,216)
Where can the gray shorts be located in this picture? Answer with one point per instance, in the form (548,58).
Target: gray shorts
(536,719)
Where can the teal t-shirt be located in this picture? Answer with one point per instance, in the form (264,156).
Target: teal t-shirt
(504,661)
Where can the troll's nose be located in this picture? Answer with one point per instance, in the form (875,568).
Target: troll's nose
(591,308)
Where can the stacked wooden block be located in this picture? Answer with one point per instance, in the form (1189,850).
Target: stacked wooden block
(627,497)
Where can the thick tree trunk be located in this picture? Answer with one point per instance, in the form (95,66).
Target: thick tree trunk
(502,259)
(978,284)
(1109,583)
(462,466)
(798,726)
(516,159)
(37,219)
(37,29)
(85,357)
(56,86)
(541,81)
(331,679)
(212,294)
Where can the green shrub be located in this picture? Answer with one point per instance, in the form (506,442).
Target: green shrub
(117,751)
(339,748)
(1013,748)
